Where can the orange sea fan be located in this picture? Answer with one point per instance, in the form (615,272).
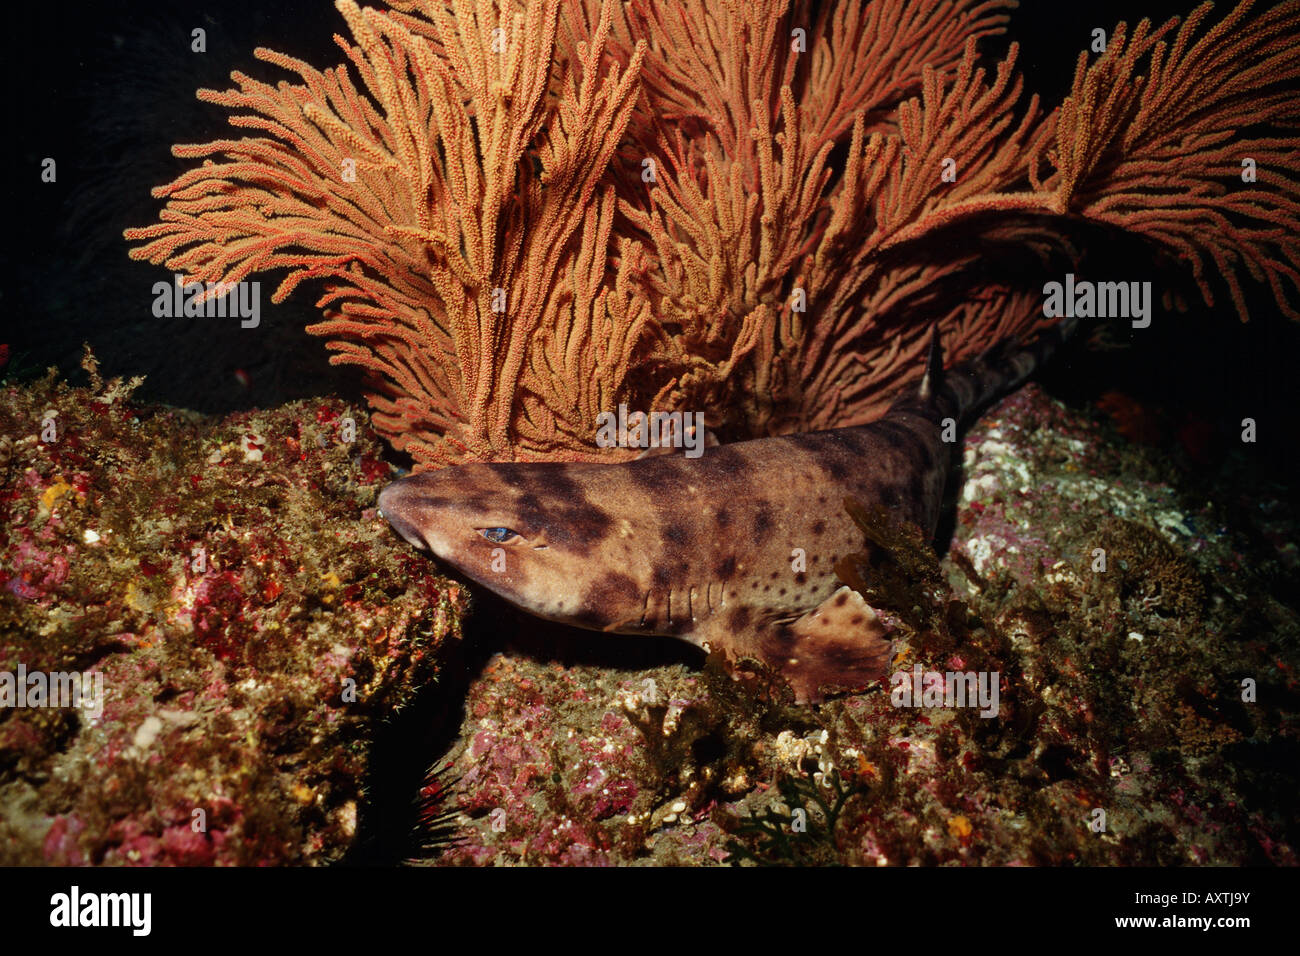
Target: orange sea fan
(527,211)
(451,209)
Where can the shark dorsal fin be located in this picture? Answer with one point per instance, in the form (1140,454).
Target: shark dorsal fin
(933,376)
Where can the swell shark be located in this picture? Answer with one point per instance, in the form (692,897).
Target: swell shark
(733,551)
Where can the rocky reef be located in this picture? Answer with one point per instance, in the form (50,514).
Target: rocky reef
(258,629)
(251,619)
(1122,734)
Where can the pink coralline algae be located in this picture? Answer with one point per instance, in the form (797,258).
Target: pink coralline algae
(256,626)
(552,769)
(250,618)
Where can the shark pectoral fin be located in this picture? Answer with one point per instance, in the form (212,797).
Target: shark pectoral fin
(841,645)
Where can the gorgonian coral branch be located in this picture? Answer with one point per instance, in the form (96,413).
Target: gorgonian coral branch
(1162,154)
(420,203)
(526,211)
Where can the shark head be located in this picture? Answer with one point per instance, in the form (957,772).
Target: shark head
(531,534)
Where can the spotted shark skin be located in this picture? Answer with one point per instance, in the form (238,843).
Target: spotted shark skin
(708,549)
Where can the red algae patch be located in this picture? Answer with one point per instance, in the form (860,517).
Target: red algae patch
(253,623)
(247,619)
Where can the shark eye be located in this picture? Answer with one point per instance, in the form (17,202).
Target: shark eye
(498,535)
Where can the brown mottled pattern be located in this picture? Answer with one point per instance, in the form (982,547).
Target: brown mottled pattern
(651,545)
(731,548)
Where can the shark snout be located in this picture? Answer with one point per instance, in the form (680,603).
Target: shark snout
(396,503)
